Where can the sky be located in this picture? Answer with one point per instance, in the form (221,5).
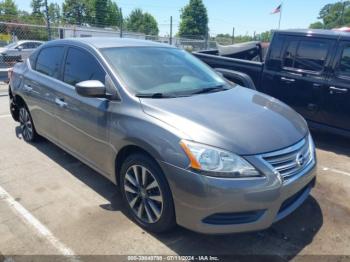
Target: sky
(246,16)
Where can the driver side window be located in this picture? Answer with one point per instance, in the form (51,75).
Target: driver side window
(82,66)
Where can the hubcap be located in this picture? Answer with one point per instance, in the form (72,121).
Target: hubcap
(26,124)
(143,194)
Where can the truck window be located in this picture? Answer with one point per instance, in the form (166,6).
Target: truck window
(275,56)
(311,55)
(344,65)
(289,55)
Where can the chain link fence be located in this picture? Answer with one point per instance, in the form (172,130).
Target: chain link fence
(18,40)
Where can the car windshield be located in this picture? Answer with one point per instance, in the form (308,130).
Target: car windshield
(12,45)
(162,72)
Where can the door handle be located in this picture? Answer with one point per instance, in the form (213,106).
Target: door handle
(336,90)
(27,88)
(291,80)
(60,102)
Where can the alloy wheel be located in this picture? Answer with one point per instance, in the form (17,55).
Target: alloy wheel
(26,124)
(143,194)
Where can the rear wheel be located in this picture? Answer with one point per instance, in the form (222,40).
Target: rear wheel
(26,123)
(146,193)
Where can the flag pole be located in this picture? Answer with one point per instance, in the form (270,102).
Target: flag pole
(279,21)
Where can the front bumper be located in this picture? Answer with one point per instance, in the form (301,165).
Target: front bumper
(204,204)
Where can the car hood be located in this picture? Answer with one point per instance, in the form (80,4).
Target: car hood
(240,120)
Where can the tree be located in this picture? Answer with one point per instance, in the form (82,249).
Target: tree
(317,25)
(37,6)
(142,23)
(100,12)
(194,20)
(8,10)
(74,11)
(113,17)
(54,13)
(150,25)
(334,15)
(264,36)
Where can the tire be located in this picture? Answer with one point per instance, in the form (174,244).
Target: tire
(27,126)
(146,194)
(14,110)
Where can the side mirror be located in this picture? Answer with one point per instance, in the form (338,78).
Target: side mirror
(19,48)
(91,88)
(236,77)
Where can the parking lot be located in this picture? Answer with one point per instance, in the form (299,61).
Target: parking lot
(50,203)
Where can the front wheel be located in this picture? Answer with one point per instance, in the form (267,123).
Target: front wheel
(26,123)
(146,193)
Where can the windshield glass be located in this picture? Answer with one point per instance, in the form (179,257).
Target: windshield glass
(12,45)
(158,70)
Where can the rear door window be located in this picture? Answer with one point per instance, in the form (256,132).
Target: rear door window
(311,55)
(82,66)
(306,55)
(344,64)
(49,61)
(289,55)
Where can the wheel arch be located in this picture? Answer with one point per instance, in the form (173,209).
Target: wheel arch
(128,150)
(16,101)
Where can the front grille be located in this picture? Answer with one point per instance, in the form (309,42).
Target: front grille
(292,160)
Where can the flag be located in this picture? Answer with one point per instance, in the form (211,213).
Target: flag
(277,9)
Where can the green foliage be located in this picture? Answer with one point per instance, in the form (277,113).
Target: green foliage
(264,36)
(333,16)
(142,23)
(100,12)
(114,16)
(317,25)
(8,11)
(194,20)
(37,6)
(75,11)
(54,13)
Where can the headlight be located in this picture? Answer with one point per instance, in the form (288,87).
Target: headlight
(217,162)
(312,147)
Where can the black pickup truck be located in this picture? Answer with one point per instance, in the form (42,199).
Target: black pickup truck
(307,69)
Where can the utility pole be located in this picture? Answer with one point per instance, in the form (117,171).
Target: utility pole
(171,31)
(233,35)
(48,20)
(121,22)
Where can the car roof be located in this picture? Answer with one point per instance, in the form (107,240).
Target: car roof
(26,41)
(108,42)
(316,32)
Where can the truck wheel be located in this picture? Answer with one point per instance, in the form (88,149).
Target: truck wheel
(146,194)
(27,126)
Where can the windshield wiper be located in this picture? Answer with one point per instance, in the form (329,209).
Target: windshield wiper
(210,89)
(154,95)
